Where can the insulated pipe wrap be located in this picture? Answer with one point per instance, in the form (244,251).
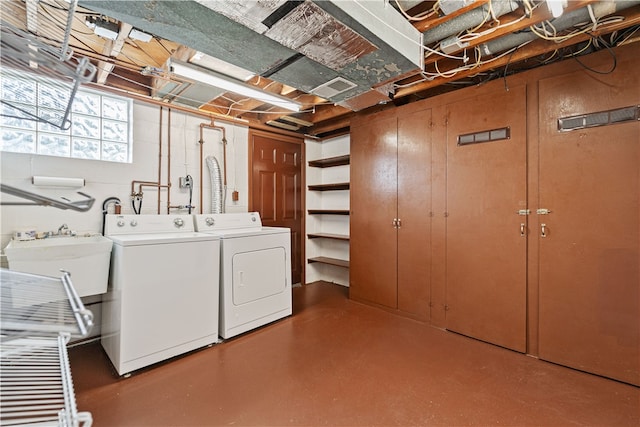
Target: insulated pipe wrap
(217,199)
(566,21)
(467,20)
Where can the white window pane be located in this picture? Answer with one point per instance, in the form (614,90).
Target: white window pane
(17,141)
(85,126)
(53,97)
(82,148)
(16,118)
(53,145)
(17,90)
(53,120)
(114,131)
(115,152)
(116,109)
(86,103)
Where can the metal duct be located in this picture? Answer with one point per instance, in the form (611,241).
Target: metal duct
(217,199)
(561,23)
(468,20)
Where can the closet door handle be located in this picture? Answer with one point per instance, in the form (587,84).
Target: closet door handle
(522,229)
(543,230)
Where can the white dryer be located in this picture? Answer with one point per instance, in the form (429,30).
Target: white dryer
(163,293)
(255,270)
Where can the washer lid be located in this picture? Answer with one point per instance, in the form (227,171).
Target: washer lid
(161,238)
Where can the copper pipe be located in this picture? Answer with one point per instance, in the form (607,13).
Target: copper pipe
(168,162)
(224,155)
(160,158)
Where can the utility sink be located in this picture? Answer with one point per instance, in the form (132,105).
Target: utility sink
(86,258)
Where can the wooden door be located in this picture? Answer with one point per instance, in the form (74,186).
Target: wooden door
(414,207)
(373,236)
(486,186)
(276,188)
(589,316)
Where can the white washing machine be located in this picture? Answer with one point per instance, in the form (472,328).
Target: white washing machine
(255,270)
(163,292)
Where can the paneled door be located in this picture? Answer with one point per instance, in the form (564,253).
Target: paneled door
(589,294)
(374,204)
(486,237)
(414,207)
(276,188)
(390,241)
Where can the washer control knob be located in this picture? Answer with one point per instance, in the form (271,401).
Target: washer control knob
(120,223)
(209,221)
(178,222)
(133,223)
(253,218)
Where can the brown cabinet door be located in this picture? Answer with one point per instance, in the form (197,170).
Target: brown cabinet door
(414,206)
(589,316)
(276,188)
(486,253)
(373,238)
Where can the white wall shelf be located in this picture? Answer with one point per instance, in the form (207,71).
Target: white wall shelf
(328,210)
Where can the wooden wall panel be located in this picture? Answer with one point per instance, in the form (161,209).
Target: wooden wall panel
(373,238)
(486,252)
(589,296)
(414,207)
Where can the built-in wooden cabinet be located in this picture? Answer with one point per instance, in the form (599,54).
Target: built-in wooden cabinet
(589,240)
(390,210)
(515,220)
(328,213)
(486,240)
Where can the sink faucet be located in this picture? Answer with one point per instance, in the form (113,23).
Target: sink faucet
(63,229)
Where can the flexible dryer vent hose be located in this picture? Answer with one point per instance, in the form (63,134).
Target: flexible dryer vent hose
(217,196)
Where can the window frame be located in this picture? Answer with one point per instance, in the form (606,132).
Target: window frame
(40,130)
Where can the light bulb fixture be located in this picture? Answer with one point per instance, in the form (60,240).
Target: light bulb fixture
(198,74)
(556,7)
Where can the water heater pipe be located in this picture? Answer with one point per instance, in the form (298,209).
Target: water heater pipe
(224,157)
(157,184)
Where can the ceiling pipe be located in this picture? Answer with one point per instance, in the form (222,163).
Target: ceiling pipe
(468,20)
(562,23)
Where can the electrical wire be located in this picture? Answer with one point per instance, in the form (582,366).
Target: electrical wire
(613,65)
(421,16)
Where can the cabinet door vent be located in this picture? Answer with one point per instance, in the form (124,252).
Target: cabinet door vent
(601,118)
(484,136)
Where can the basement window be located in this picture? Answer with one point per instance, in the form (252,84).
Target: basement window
(99,126)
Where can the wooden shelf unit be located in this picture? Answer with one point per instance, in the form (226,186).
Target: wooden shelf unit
(328,212)
(328,236)
(329,187)
(330,261)
(331,161)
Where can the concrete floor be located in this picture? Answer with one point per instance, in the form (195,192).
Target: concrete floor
(337,362)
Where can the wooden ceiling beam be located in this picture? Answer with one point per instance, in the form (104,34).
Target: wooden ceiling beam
(112,48)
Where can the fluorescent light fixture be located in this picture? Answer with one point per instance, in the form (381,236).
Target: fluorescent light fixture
(203,60)
(556,7)
(212,78)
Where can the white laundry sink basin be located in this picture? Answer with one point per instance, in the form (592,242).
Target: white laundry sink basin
(86,258)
